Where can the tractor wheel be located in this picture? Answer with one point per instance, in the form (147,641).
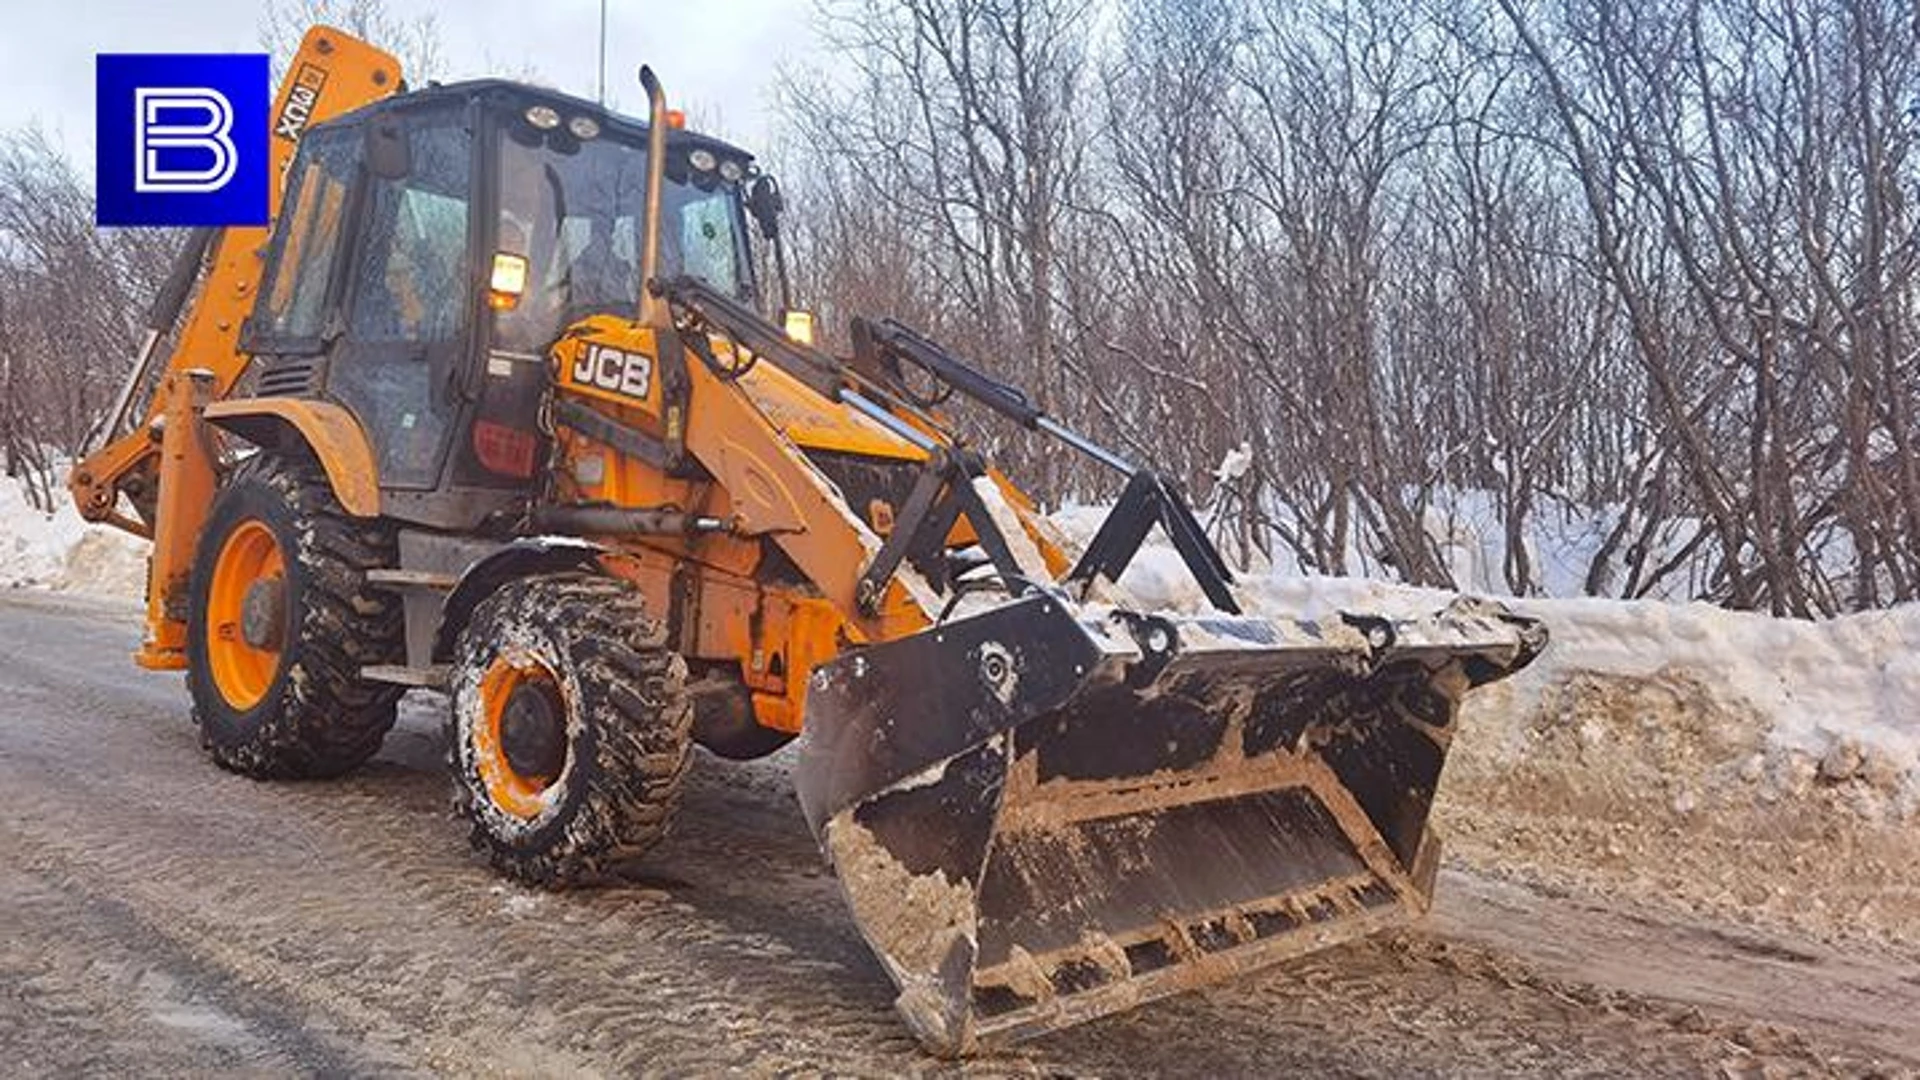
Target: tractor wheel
(570,729)
(282,620)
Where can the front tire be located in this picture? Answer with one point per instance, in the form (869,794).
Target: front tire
(280,623)
(570,728)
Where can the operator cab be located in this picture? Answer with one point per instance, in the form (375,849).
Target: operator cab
(380,291)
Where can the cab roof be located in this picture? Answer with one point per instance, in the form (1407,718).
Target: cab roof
(520,96)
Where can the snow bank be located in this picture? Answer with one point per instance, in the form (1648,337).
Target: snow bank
(1838,698)
(62,552)
(1763,770)
(1841,697)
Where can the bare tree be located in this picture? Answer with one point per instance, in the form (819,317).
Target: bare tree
(958,122)
(69,297)
(415,41)
(1567,264)
(1747,165)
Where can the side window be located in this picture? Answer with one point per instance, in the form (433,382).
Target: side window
(410,279)
(295,299)
(707,242)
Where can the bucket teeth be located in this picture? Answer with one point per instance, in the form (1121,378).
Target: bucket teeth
(1039,817)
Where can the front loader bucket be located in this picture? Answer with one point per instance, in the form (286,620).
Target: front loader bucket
(1039,817)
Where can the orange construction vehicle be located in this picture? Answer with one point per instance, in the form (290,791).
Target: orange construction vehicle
(498,407)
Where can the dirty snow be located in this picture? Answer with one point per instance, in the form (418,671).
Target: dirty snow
(59,551)
(1764,769)
(1814,687)
(1832,690)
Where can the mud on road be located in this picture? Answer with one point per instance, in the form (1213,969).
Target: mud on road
(159,916)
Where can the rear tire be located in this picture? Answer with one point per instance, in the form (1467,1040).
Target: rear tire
(281,621)
(570,671)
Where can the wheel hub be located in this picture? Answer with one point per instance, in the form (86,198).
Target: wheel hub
(263,614)
(533,734)
(246,606)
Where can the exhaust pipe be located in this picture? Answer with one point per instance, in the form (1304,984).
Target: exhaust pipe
(653,309)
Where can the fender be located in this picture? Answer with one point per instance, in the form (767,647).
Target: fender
(520,558)
(329,430)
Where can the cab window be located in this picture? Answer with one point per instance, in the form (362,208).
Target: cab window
(294,302)
(574,210)
(707,246)
(410,282)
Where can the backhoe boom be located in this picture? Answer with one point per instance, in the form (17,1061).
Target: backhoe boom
(170,482)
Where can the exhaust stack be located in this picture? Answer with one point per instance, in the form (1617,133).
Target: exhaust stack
(653,310)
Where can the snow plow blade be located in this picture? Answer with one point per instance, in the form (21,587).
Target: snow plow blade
(1038,817)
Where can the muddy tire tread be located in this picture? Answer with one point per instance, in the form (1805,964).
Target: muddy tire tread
(632,759)
(329,720)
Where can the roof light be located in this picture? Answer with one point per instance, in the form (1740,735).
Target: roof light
(676,119)
(584,127)
(701,158)
(544,117)
(730,171)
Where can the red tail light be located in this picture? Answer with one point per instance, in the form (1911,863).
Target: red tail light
(508,451)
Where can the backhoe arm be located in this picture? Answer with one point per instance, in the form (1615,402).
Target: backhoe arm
(161,464)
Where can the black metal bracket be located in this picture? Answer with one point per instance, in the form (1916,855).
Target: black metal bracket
(883,348)
(941,495)
(1158,640)
(1150,500)
(880,347)
(600,427)
(944,490)
(711,308)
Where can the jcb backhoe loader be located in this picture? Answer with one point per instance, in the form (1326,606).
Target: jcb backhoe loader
(493,409)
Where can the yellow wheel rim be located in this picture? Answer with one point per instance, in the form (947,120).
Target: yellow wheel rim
(242,671)
(516,793)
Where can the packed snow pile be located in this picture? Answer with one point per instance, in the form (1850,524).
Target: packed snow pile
(61,551)
(1764,768)
(1839,698)
(1842,694)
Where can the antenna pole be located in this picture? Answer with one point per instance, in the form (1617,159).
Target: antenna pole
(603,54)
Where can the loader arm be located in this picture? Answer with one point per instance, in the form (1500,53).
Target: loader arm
(949,505)
(1054,806)
(162,465)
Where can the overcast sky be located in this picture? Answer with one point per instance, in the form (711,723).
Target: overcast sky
(716,57)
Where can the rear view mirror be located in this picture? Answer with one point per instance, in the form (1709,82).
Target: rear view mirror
(766,204)
(386,145)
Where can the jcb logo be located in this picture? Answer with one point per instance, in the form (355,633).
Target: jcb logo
(182,140)
(624,373)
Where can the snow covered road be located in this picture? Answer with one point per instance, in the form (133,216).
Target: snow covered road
(162,917)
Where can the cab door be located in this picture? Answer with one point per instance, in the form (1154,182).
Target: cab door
(408,296)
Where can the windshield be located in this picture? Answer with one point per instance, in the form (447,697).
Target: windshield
(575,211)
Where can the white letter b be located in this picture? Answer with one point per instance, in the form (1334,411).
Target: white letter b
(212,136)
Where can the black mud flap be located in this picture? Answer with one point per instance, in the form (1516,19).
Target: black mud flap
(1040,816)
